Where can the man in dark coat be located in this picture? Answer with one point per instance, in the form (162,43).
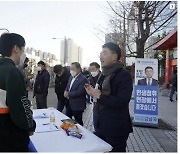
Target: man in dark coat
(113,96)
(41,86)
(94,69)
(76,93)
(25,75)
(62,77)
(148,81)
(173,83)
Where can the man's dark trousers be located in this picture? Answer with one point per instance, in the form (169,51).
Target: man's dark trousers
(77,114)
(118,143)
(41,101)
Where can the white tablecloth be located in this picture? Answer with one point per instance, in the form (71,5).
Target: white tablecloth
(58,141)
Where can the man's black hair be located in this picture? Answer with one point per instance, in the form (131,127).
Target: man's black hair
(113,47)
(148,67)
(77,65)
(8,41)
(57,68)
(94,64)
(42,63)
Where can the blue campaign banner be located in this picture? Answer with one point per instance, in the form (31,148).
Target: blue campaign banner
(146,104)
(146,92)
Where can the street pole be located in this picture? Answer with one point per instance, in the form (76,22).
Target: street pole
(60,53)
(65,50)
(124,42)
(78,54)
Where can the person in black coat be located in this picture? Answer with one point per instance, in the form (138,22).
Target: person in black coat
(62,77)
(113,97)
(148,81)
(86,73)
(25,75)
(41,86)
(94,69)
(173,83)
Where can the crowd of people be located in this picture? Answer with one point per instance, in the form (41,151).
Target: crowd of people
(108,88)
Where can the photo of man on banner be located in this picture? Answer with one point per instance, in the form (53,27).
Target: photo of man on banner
(148,80)
(146,92)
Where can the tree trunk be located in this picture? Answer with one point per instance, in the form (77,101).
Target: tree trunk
(140,48)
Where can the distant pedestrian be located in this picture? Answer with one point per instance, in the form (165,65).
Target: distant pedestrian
(113,96)
(75,93)
(173,85)
(41,86)
(86,73)
(61,80)
(25,75)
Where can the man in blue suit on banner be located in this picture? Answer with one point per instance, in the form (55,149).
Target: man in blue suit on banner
(148,81)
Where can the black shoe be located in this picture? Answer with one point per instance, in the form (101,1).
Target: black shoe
(171,100)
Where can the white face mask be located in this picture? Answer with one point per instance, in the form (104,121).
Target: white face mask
(22,59)
(73,73)
(38,68)
(94,73)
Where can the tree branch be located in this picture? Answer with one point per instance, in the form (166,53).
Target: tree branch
(129,55)
(116,12)
(130,50)
(163,23)
(159,12)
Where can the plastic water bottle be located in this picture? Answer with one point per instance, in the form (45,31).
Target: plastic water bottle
(94,98)
(52,120)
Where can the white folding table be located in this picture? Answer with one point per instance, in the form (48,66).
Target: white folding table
(59,141)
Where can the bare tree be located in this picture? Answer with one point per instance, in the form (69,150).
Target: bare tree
(143,19)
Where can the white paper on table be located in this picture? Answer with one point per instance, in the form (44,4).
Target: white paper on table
(46,128)
(41,116)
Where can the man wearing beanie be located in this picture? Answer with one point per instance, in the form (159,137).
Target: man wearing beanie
(113,96)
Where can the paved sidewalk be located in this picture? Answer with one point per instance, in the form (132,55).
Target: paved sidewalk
(153,139)
(143,139)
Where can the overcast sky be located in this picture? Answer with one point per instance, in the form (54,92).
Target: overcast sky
(40,21)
